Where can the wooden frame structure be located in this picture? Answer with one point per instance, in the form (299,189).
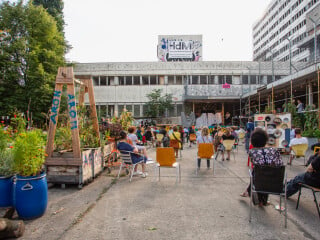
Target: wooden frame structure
(76,167)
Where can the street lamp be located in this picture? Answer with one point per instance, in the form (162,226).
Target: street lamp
(315,22)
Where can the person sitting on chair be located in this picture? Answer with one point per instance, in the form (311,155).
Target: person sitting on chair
(227,136)
(204,138)
(310,177)
(124,146)
(135,141)
(295,141)
(260,155)
(175,135)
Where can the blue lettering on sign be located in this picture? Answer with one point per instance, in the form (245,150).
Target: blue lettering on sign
(72,113)
(72,104)
(70,96)
(55,106)
(74,125)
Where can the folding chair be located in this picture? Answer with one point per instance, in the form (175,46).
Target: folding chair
(126,160)
(166,159)
(205,151)
(269,180)
(314,191)
(241,136)
(299,150)
(228,146)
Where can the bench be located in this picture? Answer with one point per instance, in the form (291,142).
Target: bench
(314,191)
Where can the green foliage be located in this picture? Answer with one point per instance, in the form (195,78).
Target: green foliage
(28,153)
(6,163)
(311,118)
(157,104)
(18,123)
(32,50)
(295,118)
(267,110)
(63,139)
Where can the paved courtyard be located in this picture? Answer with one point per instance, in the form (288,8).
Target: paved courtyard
(200,207)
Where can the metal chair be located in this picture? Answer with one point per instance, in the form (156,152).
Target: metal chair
(205,151)
(126,160)
(299,150)
(269,180)
(228,146)
(166,159)
(314,191)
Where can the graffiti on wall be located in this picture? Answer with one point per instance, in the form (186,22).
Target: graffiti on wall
(179,49)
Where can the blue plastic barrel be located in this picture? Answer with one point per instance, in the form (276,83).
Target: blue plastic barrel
(6,191)
(30,196)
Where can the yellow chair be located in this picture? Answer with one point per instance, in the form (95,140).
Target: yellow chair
(166,159)
(241,135)
(205,151)
(299,150)
(228,146)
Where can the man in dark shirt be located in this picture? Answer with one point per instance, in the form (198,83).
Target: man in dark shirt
(310,177)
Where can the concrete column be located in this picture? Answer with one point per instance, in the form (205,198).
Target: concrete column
(116,80)
(216,79)
(310,95)
(99,81)
(141,110)
(141,80)
(116,110)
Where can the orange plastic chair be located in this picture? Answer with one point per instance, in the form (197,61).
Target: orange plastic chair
(205,151)
(166,159)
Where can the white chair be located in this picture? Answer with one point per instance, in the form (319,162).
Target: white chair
(126,160)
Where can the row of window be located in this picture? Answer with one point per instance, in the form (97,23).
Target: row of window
(105,110)
(284,26)
(179,80)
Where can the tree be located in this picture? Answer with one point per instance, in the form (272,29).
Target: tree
(32,49)
(158,104)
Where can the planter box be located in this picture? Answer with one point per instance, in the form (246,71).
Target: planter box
(65,169)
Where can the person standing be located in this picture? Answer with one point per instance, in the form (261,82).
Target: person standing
(227,136)
(300,106)
(175,135)
(250,129)
(228,119)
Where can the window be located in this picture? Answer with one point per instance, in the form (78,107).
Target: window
(153,80)
(129,108)
(110,110)
(171,79)
(179,109)
(245,79)
(121,80)
(145,109)
(179,80)
(145,80)
(120,109)
(136,110)
(203,79)
(95,81)
(136,80)
(195,79)
(128,80)
(211,79)
(229,79)
(269,79)
(103,81)
(103,111)
(253,79)
(221,79)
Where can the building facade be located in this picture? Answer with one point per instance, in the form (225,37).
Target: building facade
(195,86)
(284,27)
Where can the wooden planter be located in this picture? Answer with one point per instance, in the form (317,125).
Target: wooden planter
(64,169)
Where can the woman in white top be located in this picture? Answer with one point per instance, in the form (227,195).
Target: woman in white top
(135,141)
(204,138)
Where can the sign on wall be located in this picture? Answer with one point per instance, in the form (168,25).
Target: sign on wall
(180,48)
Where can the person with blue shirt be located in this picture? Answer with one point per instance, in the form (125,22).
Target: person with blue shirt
(250,129)
(124,146)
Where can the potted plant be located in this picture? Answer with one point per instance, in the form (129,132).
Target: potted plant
(30,189)
(6,170)
(311,130)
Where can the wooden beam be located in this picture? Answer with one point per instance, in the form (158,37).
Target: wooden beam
(63,161)
(65,75)
(319,97)
(73,120)
(93,107)
(54,112)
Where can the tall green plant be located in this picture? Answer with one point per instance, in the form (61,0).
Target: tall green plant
(126,119)
(28,153)
(158,104)
(292,109)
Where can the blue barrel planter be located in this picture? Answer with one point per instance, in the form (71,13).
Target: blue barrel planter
(6,191)
(30,196)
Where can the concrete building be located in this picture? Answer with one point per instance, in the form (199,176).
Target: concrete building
(195,86)
(285,31)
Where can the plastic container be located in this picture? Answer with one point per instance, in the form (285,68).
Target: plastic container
(6,185)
